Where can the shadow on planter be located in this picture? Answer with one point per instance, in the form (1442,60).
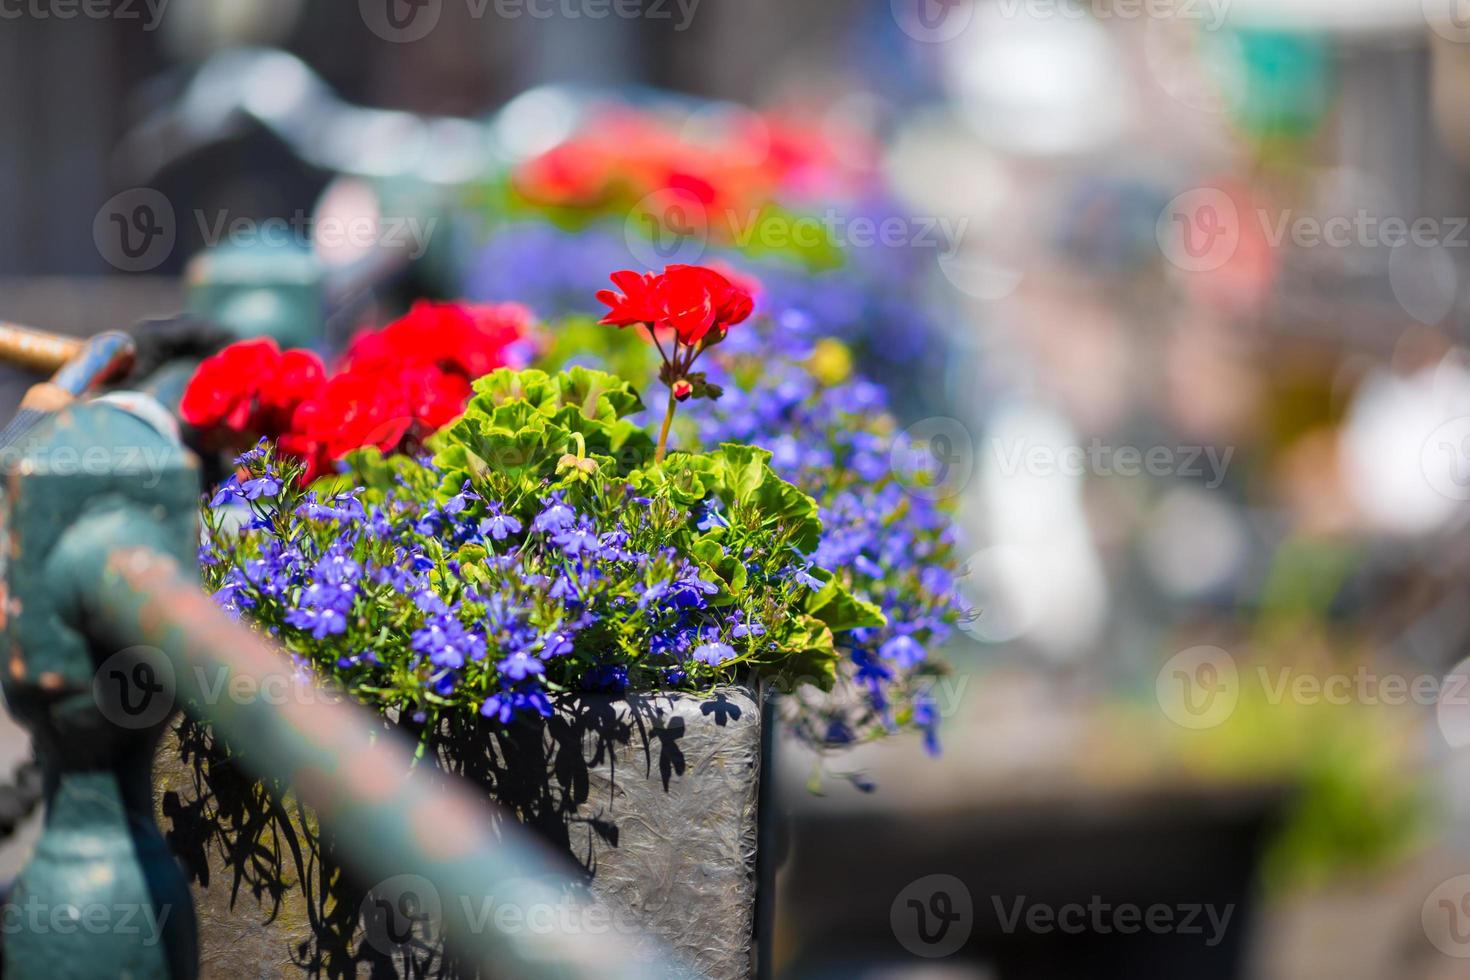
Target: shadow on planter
(652,799)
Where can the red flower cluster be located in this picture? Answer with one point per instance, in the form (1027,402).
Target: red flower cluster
(691,300)
(250,387)
(393,385)
(698,305)
(738,163)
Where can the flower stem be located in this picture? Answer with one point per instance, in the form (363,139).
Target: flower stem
(663,436)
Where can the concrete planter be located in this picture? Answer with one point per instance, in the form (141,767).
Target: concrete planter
(653,799)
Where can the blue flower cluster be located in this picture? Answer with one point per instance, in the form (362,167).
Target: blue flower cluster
(425,605)
(892,546)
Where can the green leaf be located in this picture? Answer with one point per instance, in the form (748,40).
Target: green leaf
(813,657)
(506,385)
(598,394)
(836,606)
(750,481)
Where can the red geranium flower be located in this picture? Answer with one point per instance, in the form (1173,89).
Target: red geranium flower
(223,391)
(469,340)
(403,382)
(435,397)
(691,300)
(299,375)
(685,303)
(732,303)
(635,304)
(353,411)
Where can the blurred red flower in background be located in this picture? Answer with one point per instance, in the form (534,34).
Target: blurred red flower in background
(225,390)
(394,386)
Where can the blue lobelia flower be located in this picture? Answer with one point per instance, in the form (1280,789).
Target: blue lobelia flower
(902,650)
(520,665)
(556,516)
(260,486)
(499,526)
(714,654)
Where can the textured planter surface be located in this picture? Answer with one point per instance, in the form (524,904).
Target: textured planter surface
(652,798)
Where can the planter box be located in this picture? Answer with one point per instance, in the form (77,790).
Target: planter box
(652,798)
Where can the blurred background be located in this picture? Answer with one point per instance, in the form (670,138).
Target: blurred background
(1194,277)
